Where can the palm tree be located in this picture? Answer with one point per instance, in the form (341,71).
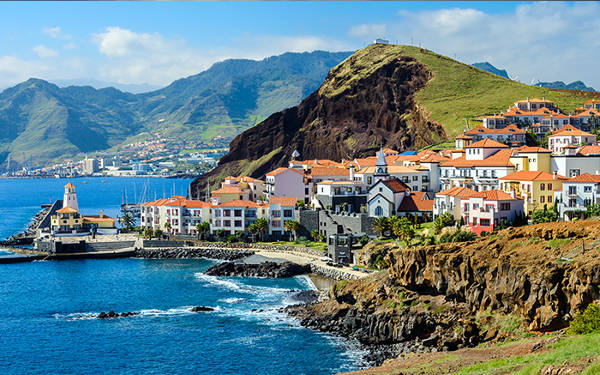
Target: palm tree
(291,226)
(391,223)
(253,229)
(148,233)
(203,229)
(403,229)
(158,233)
(127,221)
(380,225)
(263,225)
(168,229)
(315,234)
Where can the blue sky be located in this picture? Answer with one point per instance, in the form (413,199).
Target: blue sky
(157,42)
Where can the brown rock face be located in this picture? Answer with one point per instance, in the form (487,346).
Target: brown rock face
(351,115)
(545,283)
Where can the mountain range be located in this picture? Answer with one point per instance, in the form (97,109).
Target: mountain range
(577,85)
(41,122)
(492,69)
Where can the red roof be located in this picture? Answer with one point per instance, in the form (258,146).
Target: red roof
(532,176)
(279,170)
(329,171)
(487,143)
(396,185)
(416,201)
(568,129)
(590,150)
(458,191)
(510,129)
(531,149)
(498,159)
(67,210)
(586,177)
(178,201)
(239,203)
(284,201)
(493,195)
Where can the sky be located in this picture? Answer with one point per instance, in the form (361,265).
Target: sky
(155,43)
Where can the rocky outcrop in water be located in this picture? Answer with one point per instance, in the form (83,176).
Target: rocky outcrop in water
(112,315)
(265,269)
(193,252)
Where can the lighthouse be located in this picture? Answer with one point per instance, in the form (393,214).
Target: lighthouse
(70,197)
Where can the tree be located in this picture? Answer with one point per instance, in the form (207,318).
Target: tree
(380,225)
(253,229)
(291,226)
(148,233)
(300,203)
(262,225)
(168,229)
(158,233)
(203,229)
(127,221)
(345,207)
(444,220)
(544,216)
(403,229)
(363,208)
(315,234)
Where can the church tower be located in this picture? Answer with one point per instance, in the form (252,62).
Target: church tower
(70,198)
(381,167)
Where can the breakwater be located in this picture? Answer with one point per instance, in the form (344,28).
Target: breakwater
(192,252)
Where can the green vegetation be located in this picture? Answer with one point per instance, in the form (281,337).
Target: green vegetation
(444,220)
(587,321)
(544,215)
(558,242)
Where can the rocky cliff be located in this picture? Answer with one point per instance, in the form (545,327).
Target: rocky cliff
(366,101)
(448,296)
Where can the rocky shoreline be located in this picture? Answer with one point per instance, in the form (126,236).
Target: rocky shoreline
(192,253)
(264,269)
(26,237)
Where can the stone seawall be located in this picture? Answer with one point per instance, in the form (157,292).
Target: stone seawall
(260,246)
(334,274)
(192,252)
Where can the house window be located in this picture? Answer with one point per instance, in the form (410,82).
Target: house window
(587,189)
(485,222)
(217,223)
(549,198)
(226,223)
(276,213)
(549,186)
(238,223)
(572,190)
(542,187)
(226,212)
(378,211)
(415,178)
(287,213)
(504,206)
(542,199)
(237,213)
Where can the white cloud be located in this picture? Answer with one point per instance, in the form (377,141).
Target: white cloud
(543,41)
(14,70)
(44,52)
(55,32)
(368,31)
(69,46)
(139,57)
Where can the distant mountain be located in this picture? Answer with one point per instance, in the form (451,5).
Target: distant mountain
(492,69)
(127,87)
(577,85)
(40,121)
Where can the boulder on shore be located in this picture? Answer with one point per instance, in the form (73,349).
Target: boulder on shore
(265,269)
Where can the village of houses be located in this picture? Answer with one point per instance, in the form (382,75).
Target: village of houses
(491,179)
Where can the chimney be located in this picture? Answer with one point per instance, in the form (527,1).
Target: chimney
(351,172)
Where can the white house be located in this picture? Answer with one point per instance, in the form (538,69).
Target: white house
(479,168)
(280,210)
(450,201)
(287,182)
(486,210)
(566,136)
(236,215)
(385,196)
(181,214)
(510,134)
(576,194)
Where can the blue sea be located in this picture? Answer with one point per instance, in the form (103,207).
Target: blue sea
(47,308)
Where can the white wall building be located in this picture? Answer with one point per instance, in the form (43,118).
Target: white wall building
(576,194)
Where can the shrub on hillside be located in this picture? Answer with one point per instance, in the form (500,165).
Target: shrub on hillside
(544,216)
(587,321)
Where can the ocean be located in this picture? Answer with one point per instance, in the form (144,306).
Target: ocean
(47,308)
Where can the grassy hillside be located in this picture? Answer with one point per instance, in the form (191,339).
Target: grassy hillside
(459,91)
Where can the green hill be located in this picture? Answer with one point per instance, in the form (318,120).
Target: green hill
(40,122)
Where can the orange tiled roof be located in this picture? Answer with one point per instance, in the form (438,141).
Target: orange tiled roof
(588,113)
(532,176)
(329,171)
(531,149)
(416,201)
(280,170)
(464,136)
(498,159)
(458,191)
(514,111)
(239,203)
(389,151)
(98,219)
(589,150)
(178,201)
(487,143)
(231,189)
(69,185)
(534,100)
(568,129)
(67,210)
(284,201)
(557,115)
(510,129)
(493,195)
(396,185)
(586,177)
